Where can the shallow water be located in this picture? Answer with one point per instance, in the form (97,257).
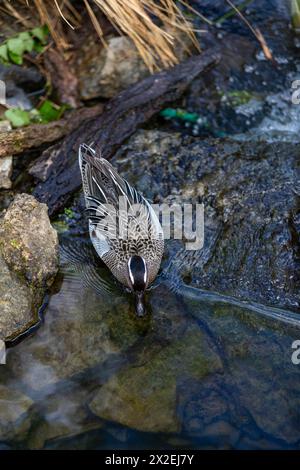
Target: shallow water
(201,370)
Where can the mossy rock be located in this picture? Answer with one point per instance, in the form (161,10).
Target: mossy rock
(144,396)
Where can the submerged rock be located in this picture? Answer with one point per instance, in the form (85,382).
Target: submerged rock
(28,263)
(14,420)
(144,397)
(61,418)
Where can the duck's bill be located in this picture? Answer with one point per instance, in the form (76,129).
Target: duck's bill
(139,304)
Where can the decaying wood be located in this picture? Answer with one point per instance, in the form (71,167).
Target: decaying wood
(16,141)
(57,168)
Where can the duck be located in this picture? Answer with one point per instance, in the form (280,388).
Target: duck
(123,226)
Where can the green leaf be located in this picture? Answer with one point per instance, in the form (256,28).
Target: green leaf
(50,111)
(17,117)
(27,40)
(38,47)
(3,53)
(40,33)
(16,46)
(12,49)
(24,35)
(15,58)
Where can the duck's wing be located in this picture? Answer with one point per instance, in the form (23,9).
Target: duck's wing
(103,187)
(102,222)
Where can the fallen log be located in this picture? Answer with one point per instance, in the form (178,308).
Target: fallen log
(57,169)
(16,141)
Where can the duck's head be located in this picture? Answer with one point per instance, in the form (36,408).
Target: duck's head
(138,280)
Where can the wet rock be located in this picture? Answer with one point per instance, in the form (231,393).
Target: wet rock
(14,420)
(28,263)
(251,207)
(29,243)
(61,418)
(6,164)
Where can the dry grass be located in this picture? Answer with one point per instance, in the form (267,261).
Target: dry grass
(153,25)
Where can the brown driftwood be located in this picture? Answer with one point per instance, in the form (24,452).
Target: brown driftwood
(16,141)
(57,168)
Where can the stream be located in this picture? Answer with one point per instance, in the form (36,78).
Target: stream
(213,364)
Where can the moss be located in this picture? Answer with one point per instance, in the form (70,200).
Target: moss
(15,244)
(132,327)
(69,213)
(237,97)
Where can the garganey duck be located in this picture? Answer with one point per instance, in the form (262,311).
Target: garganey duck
(123,227)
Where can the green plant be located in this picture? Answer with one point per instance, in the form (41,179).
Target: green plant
(236,98)
(13,49)
(17,117)
(233,12)
(47,112)
(69,213)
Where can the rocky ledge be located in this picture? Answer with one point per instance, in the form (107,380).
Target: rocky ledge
(28,263)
